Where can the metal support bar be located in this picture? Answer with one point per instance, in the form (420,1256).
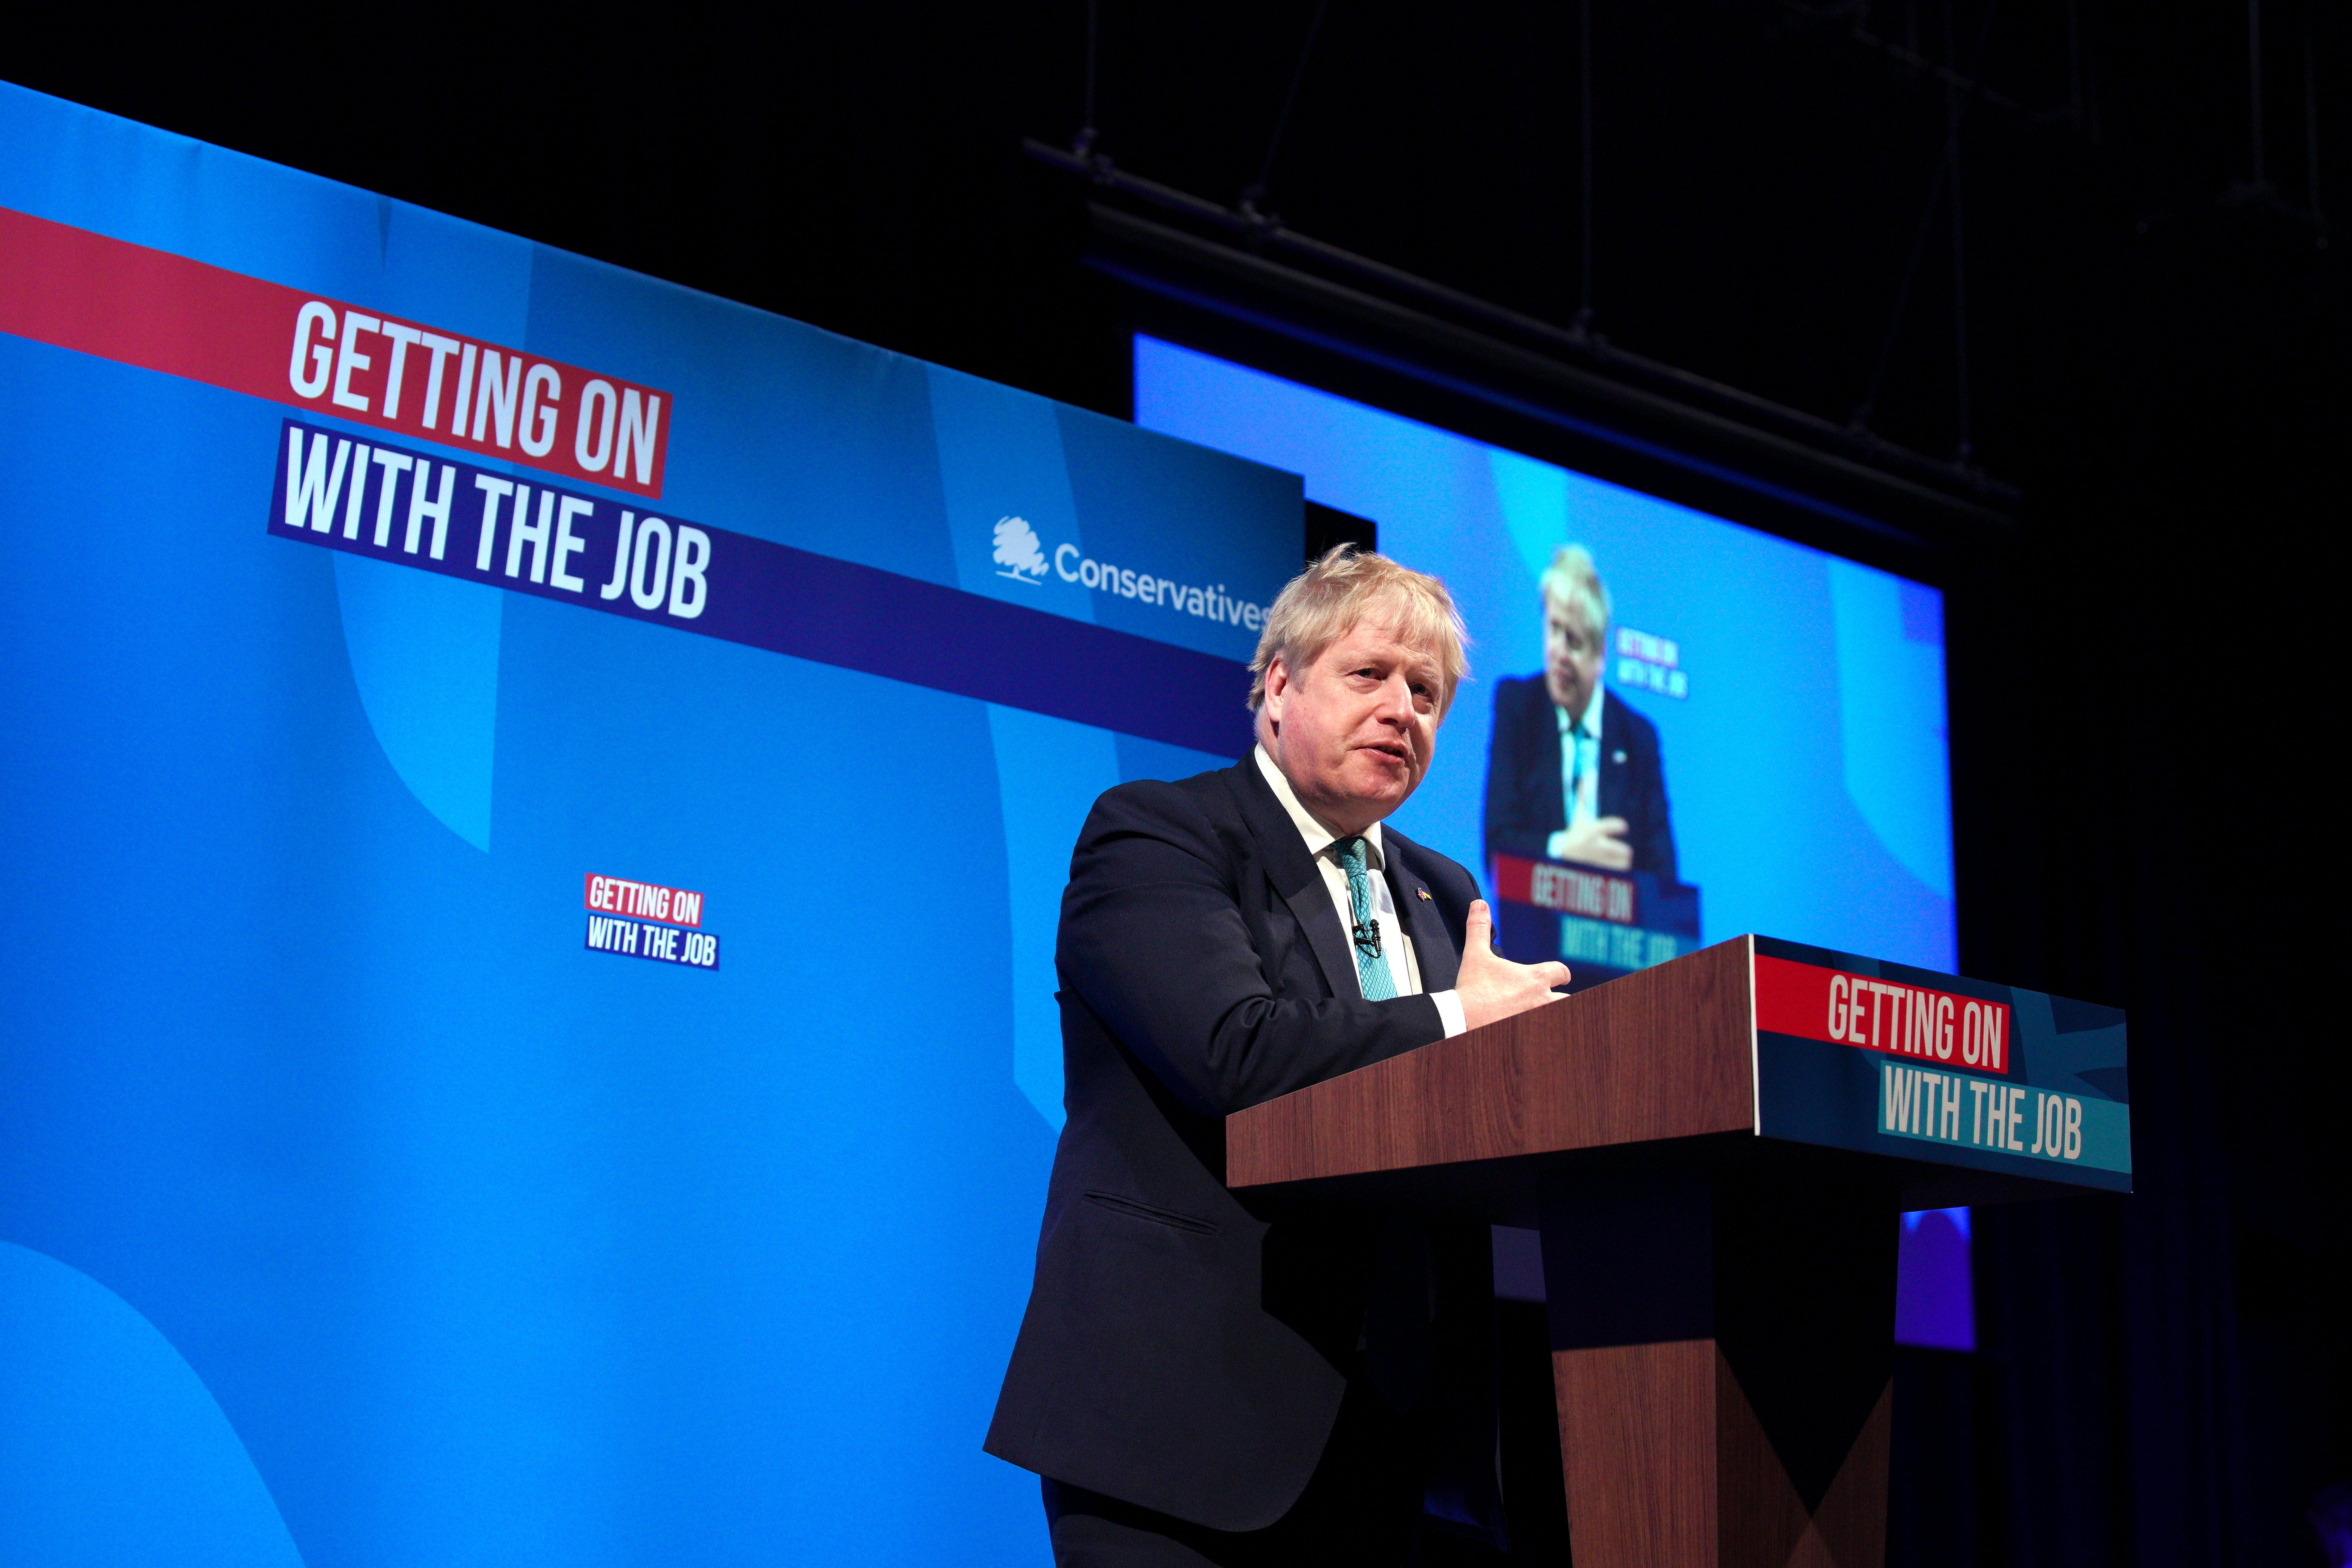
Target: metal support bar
(1912,60)
(1527,339)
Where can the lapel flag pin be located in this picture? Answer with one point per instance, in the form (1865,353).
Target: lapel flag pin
(1424,894)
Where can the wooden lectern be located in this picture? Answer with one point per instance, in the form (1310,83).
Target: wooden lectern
(1717,1151)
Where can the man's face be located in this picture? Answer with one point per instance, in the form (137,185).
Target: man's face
(1572,655)
(1353,731)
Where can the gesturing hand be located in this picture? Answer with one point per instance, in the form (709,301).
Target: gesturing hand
(1490,985)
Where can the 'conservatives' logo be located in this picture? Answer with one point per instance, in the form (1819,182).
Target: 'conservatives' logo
(1018,554)
(1021,556)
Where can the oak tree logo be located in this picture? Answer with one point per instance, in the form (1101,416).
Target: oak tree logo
(1018,554)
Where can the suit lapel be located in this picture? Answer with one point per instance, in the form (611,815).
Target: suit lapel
(1292,870)
(1544,775)
(1609,799)
(1432,944)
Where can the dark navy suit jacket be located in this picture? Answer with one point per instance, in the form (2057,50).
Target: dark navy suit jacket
(1183,1344)
(1525,803)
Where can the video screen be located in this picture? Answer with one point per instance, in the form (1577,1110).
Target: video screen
(1677,729)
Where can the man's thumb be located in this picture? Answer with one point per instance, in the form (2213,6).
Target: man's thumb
(1480,927)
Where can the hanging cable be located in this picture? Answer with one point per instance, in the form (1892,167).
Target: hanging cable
(1087,133)
(1584,152)
(2073,67)
(1869,403)
(1253,198)
(2310,117)
(2254,89)
(1963,452)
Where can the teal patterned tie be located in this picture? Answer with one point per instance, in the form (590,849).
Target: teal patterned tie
(1371,968)
(1583,753)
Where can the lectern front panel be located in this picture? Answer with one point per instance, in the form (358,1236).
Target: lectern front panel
(1882,1059)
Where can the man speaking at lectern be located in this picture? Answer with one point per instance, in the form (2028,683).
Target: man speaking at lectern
(1202,1376)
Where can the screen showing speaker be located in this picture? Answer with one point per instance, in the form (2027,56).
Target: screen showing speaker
(1677,727)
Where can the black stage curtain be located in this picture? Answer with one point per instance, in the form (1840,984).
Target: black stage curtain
(2149,815)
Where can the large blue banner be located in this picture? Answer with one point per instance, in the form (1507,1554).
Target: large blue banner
(414,630)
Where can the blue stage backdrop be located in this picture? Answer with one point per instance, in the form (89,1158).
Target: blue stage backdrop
(538,804)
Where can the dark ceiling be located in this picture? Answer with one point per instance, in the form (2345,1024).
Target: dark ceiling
(1761,168)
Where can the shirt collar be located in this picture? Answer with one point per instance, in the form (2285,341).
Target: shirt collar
(1591,712)
(1319,838)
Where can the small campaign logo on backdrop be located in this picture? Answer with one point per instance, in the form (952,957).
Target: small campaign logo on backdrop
(647,919)
(1651,663)
(1019,555)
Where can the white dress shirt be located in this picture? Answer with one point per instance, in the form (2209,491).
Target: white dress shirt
(1579,770)
(1405,965)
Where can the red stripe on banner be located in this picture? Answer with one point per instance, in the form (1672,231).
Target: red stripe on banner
(125,302)
(1567,889)
(1815,1004)
(138,306)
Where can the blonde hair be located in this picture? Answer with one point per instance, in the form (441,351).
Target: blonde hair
(1346,588)
(1576,581)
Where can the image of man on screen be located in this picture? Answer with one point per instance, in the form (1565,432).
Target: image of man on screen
(1573,773)
(1205,1376)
